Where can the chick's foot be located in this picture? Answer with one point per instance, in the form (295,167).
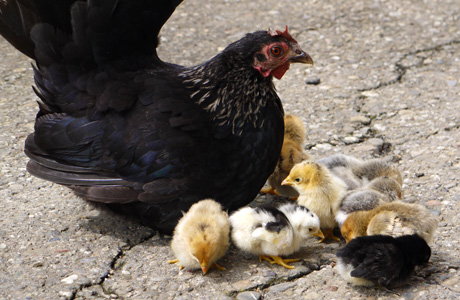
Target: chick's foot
(325,234)
(270,190)
(218,267)
(278,260)
(173,261)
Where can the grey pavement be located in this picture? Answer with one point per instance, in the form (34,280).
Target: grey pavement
(389,85)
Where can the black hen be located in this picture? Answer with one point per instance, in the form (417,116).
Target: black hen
(119,126)
(382,259)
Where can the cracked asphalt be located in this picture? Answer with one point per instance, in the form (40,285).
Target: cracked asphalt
(386,83)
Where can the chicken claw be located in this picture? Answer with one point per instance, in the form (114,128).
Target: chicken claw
(327,233)
(278,260)
(173,261)
(218,267)
(270,190)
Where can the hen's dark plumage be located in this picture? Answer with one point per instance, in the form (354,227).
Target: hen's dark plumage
(382,259)
(119,126)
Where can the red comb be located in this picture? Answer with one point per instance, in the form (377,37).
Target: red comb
(284,34)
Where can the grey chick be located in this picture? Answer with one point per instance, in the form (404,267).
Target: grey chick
(379,191)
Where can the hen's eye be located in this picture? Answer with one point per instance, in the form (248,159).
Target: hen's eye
(276,50)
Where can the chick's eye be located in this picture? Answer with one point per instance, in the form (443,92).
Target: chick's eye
(310,229)
(297,180)
(276,50)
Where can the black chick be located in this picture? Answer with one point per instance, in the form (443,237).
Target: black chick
(381,259)
(120,126)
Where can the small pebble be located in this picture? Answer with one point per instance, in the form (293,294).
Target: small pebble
(361,119)
(70,279)
(279,288)
(313,81)
(270,274)
(248,296)
(350,140)
(65,294)
(451,82)
(375,142)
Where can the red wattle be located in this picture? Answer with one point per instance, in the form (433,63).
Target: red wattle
(279,72)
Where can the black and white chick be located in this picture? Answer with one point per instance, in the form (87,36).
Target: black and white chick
(267,232)
(304,221)
(381,260)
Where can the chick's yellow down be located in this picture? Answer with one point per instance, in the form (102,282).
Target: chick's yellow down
(394,219)
(292,152)
(202,236)
(320,191)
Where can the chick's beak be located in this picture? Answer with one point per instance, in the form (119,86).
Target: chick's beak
(319,234)
(286,182)
(204,267)
(302,57)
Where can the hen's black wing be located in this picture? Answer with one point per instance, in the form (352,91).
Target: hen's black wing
(119,126)
(17,17)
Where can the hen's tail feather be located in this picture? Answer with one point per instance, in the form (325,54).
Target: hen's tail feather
(114,28)
(84,178)
(17,17)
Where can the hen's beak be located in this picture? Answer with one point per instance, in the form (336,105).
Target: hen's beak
(303,58)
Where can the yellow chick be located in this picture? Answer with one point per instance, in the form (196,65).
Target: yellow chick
(202,236)
(394,219)
(319,190)
(292,152)
(379,191)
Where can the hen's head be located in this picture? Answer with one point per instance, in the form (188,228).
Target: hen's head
(270,52)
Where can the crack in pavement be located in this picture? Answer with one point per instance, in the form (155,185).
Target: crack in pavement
(120,254)
(278,280)
(401,69)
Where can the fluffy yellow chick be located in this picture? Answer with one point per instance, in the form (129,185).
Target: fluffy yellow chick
(292,153)
(319,190)
(394,219)
(202,236)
